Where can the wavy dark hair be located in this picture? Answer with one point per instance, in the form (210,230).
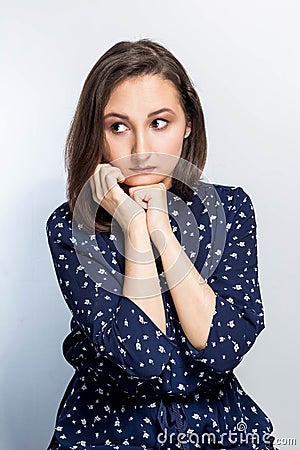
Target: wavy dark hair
(85,141)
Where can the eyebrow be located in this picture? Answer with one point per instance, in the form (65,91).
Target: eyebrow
(154,113)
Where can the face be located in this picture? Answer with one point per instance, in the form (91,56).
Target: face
(144,126)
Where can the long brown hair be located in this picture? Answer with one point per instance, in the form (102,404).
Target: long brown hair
(85,141)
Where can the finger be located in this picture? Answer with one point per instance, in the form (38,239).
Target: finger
(121,176)
(141,203)
(112,176)
(101,166)
(134,189)
(141,198)
(92,185)
(98,183)
(97,169)
(107,178)
(108,168)
(149,187)
(146,188)
(95,183)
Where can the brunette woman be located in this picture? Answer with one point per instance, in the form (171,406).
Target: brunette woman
(158,267)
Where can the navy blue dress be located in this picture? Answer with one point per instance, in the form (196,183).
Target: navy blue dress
(135,387)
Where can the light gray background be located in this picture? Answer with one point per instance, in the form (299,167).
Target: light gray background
(244,59)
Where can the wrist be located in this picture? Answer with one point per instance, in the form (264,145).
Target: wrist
(136,220)
(137,230)
(138,248)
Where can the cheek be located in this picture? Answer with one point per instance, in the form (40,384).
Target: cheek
(172,144)
(118,154)
(115,148)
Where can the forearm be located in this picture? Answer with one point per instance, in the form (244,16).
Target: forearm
(194,302)
(141,282)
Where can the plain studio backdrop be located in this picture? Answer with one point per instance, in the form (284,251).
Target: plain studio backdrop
(244,60)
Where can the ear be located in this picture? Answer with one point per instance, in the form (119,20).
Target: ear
(188,130)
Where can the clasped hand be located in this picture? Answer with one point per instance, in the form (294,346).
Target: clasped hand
(148,201)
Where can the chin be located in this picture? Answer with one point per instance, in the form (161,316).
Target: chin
(144,179)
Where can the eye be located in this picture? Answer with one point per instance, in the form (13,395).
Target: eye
(118,128)
(159,124)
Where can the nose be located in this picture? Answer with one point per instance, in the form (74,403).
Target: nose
(140,150)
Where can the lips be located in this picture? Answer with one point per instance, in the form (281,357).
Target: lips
(142,169)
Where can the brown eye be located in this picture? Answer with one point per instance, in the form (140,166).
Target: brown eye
(159,124)
(118,127)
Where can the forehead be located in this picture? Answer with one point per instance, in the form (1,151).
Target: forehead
(144,91)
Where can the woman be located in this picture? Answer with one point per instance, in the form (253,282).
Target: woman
(158,268)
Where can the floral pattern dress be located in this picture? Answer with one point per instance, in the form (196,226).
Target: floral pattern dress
(135,387)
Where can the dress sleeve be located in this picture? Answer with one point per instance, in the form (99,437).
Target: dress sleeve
(116,326)
(239,315)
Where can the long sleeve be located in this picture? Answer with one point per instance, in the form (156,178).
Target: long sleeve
(238,317)
(134,385)
(115,325)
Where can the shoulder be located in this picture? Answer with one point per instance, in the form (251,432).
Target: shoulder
(232,198)
(238,207)
(59,222)
(229,203)
(232,195)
